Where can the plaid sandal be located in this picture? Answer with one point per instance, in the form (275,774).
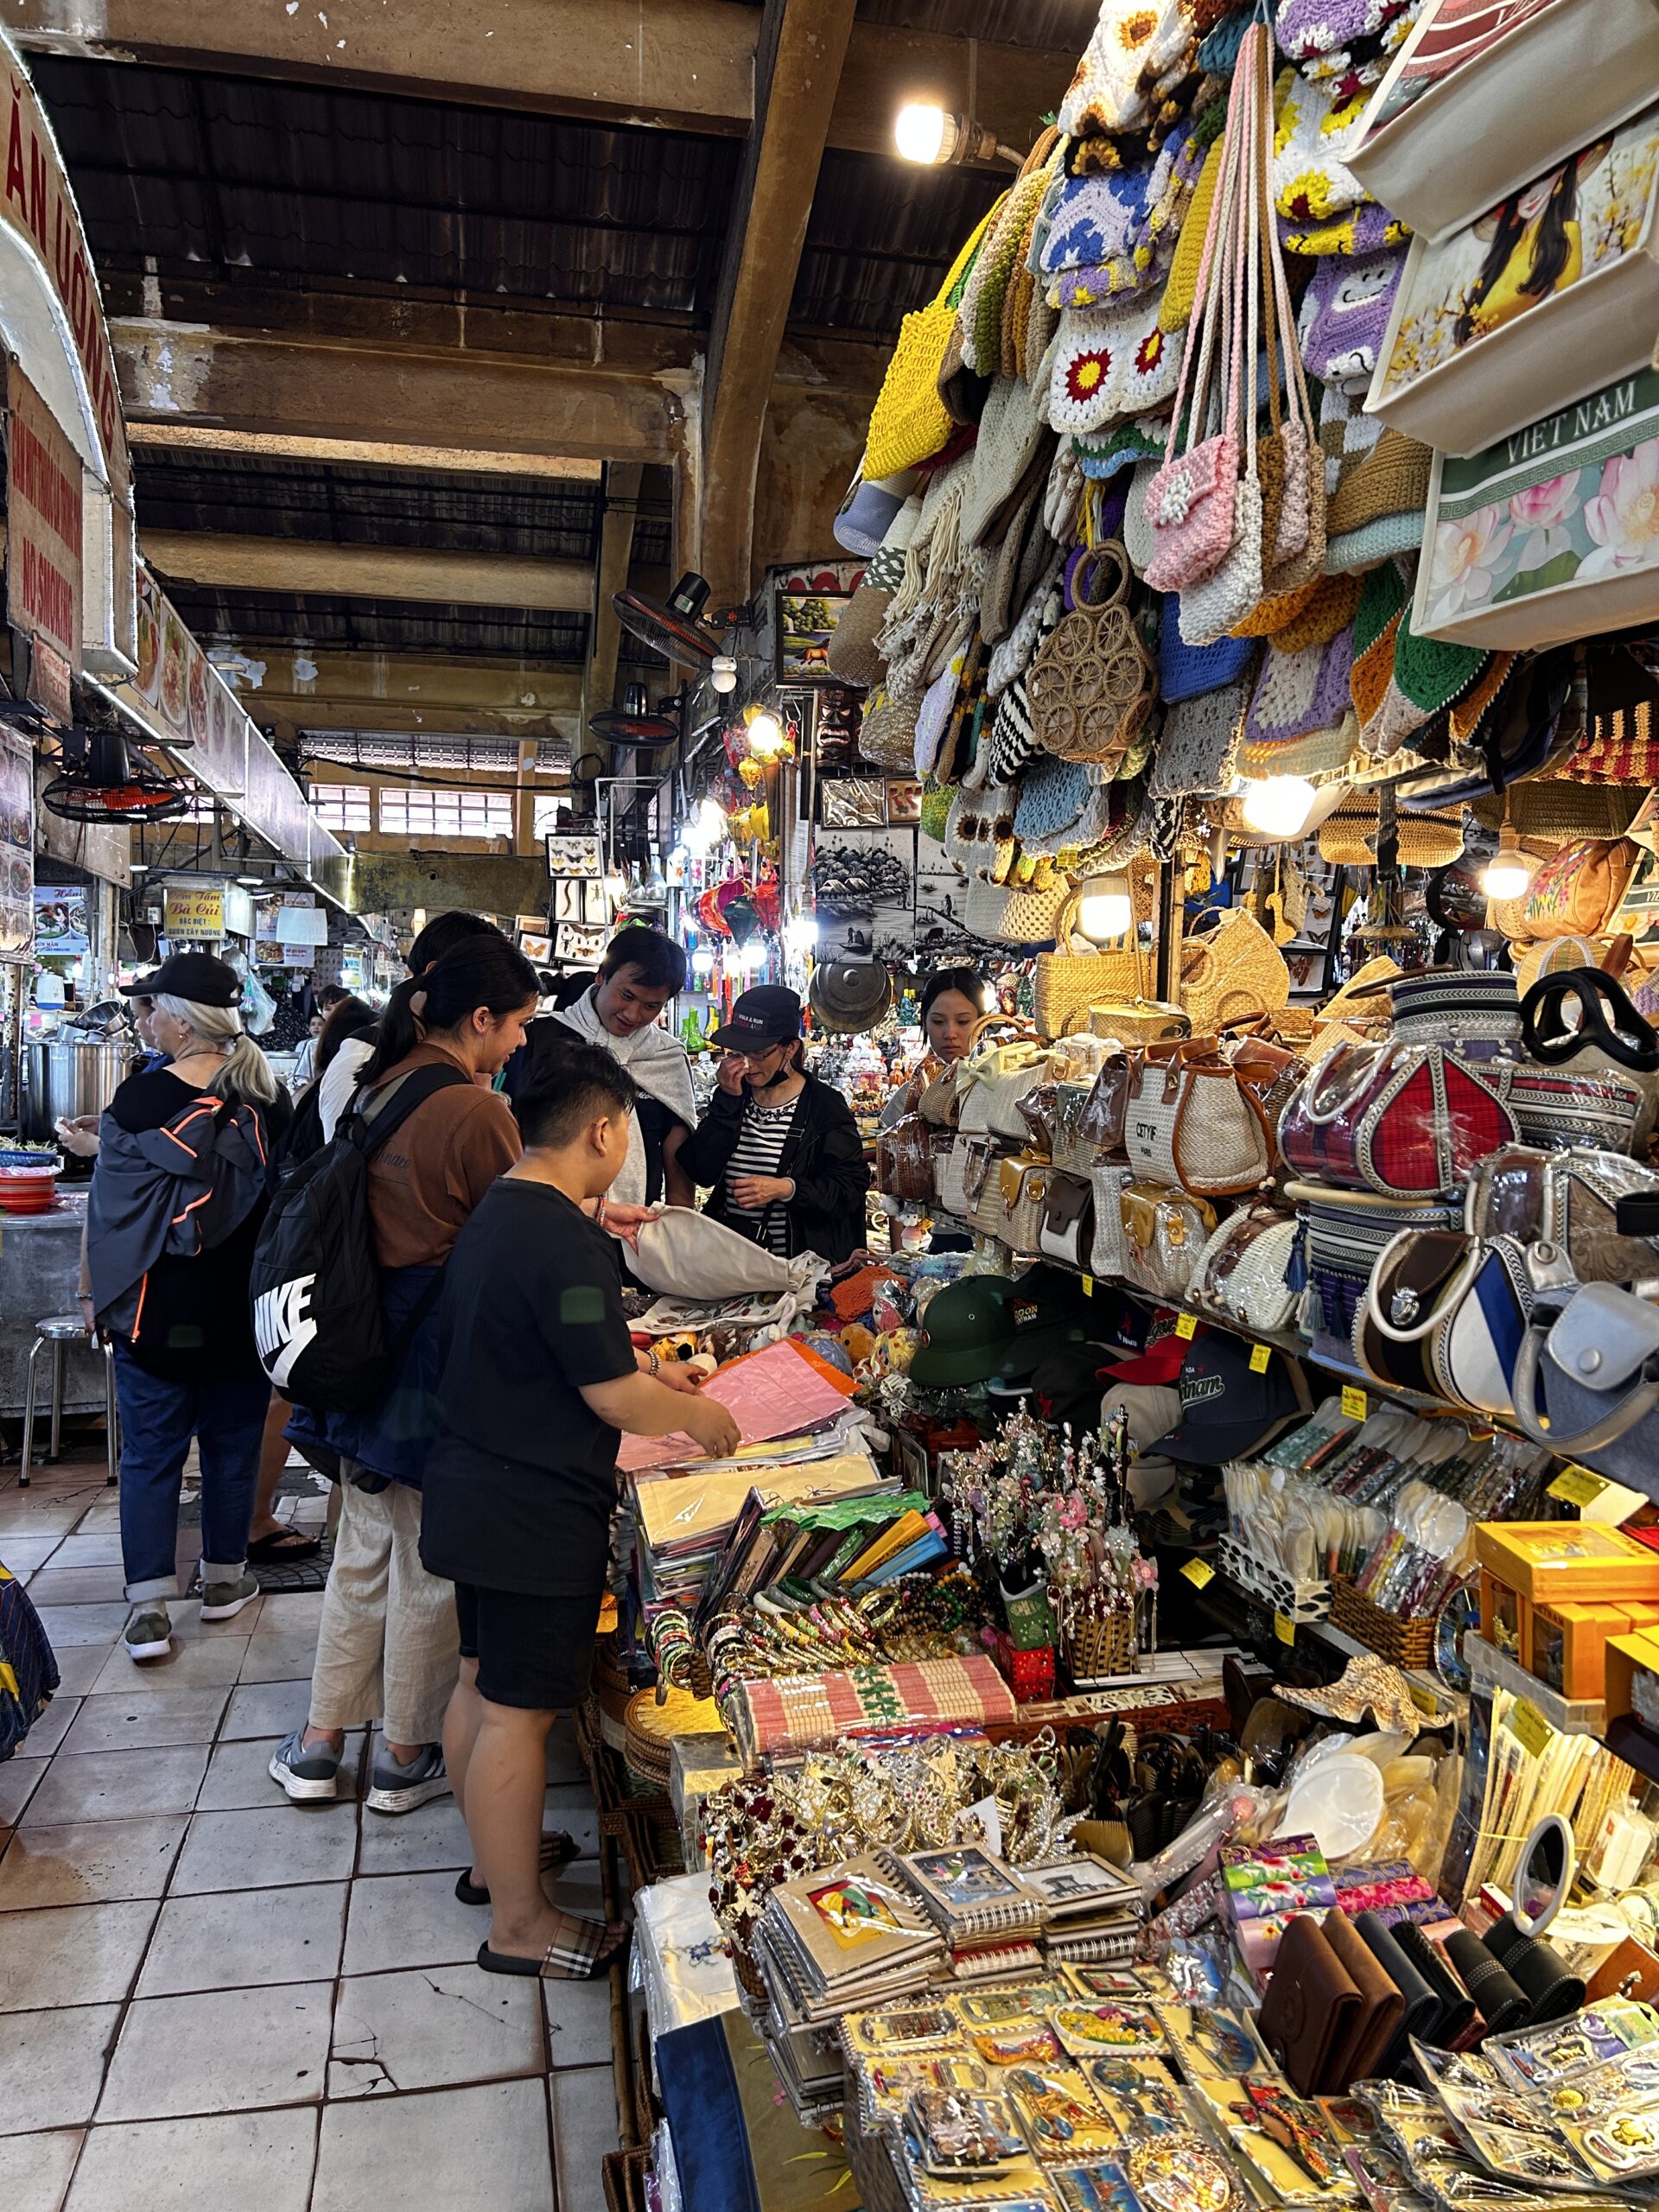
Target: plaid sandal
(558,1849)
(596,1948)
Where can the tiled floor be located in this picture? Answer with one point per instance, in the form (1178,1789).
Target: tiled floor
(209,1996)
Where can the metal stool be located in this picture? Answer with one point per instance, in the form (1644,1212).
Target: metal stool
(59,1330)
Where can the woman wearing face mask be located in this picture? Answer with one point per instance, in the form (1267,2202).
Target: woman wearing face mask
(387,1649)
(780,1149)
(954,1002)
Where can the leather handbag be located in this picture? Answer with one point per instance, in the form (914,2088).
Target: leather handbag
(1443,1316)
(1092,684)
(1191,1121)
(1231,969)
(1311,2008)
(1108,1181)
(1164,1231)
(1587,1381)
(904,1160)
(1602,1082)
(1067,1231)
(1565,1205)
(1405,1121)
(910,423)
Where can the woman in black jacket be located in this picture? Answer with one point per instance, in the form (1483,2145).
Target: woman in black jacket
(780,1149)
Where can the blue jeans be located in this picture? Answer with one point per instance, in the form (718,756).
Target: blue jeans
(226,1415)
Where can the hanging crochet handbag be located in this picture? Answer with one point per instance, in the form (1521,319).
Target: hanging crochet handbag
(1070,981)
(1194,755)
(1291,463)
(887,737)
(1092,684)
(909,422)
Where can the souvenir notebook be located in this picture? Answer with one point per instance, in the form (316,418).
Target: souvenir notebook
(1086,1888)
(849,1929)
(967,1893)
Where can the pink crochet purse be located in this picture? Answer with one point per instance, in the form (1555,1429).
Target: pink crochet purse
(1189,503)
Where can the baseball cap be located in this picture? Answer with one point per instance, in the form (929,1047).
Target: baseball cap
(1228,1411)
(193,976)
(768,1015)
(967,1332)
(1049,1312)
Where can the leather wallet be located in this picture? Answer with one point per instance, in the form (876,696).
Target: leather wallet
(1377,2022)
(1551,1992)
(1311,2006)
(1423,2005)
(1457,2005)
(1503,2005)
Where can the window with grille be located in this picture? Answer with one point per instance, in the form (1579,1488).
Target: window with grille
(341,807)
(415,813)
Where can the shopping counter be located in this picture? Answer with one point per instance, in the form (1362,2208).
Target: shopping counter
(40,1271)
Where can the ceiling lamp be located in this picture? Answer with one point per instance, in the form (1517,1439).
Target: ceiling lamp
(1279,807)
(925,132)
(766,735)
(706,828)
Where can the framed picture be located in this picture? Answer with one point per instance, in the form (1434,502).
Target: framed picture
(536,946)
(904,800)
(573,853)
(572,942)
(806,622)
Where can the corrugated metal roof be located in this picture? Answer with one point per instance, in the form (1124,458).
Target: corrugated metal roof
(880,236)
(320,183)
(1058,26)
(381,624)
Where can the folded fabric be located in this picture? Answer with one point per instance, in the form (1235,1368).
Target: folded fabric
(1312,134)
(1136,43)
(1345,317)
(1364,230)
(1107,365)
(812,1709)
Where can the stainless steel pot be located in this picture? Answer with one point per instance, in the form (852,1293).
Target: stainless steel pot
(63,1079)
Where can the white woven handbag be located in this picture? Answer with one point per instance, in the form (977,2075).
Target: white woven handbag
(1191,1123)
(991,1082)
(1242,1273)
(1023,1187)
(1106,1251)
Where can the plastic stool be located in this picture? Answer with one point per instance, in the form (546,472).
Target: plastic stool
(59,1330)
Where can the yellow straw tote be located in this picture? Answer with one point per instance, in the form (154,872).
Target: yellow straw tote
(910,423)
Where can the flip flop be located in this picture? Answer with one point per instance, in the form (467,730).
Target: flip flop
(286,1548)
(594,1951)
(558,1849)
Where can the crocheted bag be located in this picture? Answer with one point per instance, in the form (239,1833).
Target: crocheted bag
(1194,755)
(1013,738)
(909,422)
(1296,695)
(1092,684)
(1135,43)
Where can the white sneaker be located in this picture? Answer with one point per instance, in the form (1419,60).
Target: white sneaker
(223,1601)
(148,1631)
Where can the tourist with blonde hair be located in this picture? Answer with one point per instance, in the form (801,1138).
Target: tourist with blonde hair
(183,1177)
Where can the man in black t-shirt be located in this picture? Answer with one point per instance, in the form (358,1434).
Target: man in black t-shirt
(539,1377)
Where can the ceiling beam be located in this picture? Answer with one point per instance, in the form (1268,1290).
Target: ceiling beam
(289,713)
(803,47)
(405,572)
(265,445)
(371,683)
(622,487)
(388,398)
(686,65)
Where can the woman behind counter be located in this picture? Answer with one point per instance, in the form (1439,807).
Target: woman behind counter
(780,1149)
(953,1003)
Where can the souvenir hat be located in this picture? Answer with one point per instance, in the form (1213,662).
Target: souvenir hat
(1366,229)
(868,513)
(1228,1411)
(1048,1310)
(966,1333)
(197,976)
(1108,365)
(1106,454)
(768,1015)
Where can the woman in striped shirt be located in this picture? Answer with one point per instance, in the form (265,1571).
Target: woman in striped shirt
(779,1150)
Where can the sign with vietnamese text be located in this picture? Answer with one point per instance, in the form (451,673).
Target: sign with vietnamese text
(194,910)
(43,523)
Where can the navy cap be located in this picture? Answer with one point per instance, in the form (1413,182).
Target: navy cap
(768,1015)
(1228,1411)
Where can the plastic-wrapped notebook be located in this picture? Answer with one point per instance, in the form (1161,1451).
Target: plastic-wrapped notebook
(1086,1888)
(849,1923)
(967,1893)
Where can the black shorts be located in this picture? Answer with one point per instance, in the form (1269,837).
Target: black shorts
(533,1652)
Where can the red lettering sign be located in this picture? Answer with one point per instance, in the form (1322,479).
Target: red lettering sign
(43,523)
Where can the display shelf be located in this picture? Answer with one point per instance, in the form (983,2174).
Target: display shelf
(1490,1670)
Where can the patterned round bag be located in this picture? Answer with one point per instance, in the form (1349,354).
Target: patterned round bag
(1092,685)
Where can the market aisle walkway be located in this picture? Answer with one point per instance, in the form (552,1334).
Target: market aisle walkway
(213,1998)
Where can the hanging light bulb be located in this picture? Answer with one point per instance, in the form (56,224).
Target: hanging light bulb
(1279,807)
(1104,908)
(800,933)
(702,961)
(919,132)
(705,827)
(766,735)
(1508,875)
(753,956)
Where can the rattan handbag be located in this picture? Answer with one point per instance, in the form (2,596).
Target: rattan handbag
(1093,683)
(1191,1121)
(1068,981)
(1231,972)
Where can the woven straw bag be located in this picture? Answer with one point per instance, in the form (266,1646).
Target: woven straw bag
(1362,998)
(1093,683)
(1110,1180)
(1015,913)
(1231,972)
(910,423)
(1068,981)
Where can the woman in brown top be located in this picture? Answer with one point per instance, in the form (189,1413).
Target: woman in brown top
(388,1643)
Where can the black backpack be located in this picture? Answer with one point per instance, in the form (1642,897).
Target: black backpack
(318,1320)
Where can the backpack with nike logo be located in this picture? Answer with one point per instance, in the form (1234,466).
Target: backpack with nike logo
(319,1322)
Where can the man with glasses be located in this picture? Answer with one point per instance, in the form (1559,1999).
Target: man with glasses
(779,1149)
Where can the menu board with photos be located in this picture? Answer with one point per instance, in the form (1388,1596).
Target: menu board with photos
(17,847)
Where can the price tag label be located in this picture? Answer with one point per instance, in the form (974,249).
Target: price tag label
(1577,1486)
(1353,1402)
(1284,1628)
(1186,1328)
(1260,1354)
(1424,1699)
(1198,1571)
(1088,1286)
(1530,1728)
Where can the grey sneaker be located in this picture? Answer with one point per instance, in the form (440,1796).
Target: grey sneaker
(222,1601)
(308,1772)
(148,1632)
(395,1789)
